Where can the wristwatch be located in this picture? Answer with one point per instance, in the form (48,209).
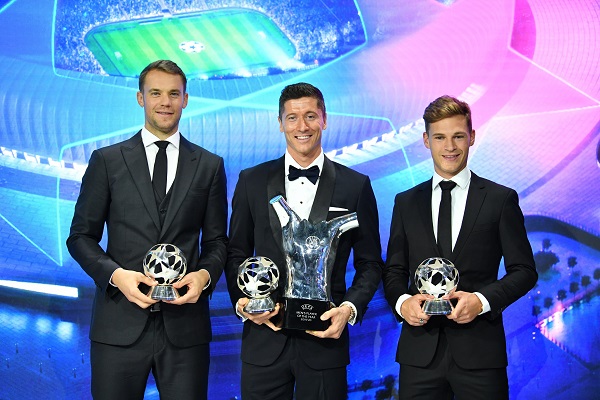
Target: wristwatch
(352,313)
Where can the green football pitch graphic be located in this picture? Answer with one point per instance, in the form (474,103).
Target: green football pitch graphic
(206,44)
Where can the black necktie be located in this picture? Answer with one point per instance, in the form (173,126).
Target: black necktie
(159,176)
(312,174)
(444,233)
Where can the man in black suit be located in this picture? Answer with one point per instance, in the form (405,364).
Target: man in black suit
(130,333)
(462,354)
(276,360)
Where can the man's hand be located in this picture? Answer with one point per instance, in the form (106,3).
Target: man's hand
(412,310)
(195,282)
(262,318)
(339,317)
(468,307)
(127,281)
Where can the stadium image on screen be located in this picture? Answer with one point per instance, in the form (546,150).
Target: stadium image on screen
(208,39)
(213,43)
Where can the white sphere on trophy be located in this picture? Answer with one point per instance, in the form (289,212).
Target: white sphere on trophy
(258,276)
(438,277)
(165,263)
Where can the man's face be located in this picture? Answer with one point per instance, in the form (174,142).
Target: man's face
(163,99)
(303,122)
(449,141)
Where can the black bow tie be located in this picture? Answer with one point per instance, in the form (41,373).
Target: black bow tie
(312,174)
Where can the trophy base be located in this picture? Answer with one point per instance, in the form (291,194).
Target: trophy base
(164,293)
(305,314)
(437,307)
(259,306)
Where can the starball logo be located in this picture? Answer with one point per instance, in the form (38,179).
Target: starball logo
(306,307)
(312,242)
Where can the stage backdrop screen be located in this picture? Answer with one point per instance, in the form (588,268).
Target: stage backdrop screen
(528,68)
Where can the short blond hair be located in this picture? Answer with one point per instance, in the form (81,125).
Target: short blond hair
(445,107)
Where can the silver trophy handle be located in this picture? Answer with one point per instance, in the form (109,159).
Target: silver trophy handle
(282,207)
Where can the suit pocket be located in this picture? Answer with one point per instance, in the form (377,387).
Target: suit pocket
(198,192)
(485,227)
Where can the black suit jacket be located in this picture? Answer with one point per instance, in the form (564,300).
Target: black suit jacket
(255,230)
(116,189)
(492,228)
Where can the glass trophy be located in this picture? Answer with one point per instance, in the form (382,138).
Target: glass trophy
(257,278)
(167,265)
(438,277)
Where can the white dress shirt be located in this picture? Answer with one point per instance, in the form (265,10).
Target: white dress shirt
(172,154)
(300,193)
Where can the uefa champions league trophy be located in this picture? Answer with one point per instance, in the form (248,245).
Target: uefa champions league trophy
(309,256)
(438,277)
(257,277)
(167,265)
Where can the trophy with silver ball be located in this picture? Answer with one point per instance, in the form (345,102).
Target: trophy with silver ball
(257,278)
(166,264)
(438,277)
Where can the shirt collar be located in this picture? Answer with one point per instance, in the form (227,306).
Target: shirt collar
(462,179)
(289,160)
(148,138)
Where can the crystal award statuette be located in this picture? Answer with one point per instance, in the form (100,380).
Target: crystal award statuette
(167,265)
(438,277)
(257,277)
(310,251)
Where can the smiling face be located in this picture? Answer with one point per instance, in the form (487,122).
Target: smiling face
(163,98)
(302,122)
(449,140)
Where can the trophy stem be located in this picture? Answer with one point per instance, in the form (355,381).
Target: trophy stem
(164,293)
(259,305)
(437,307)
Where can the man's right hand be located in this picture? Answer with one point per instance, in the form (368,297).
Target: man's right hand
(259,319)
(127,281)
(412,311)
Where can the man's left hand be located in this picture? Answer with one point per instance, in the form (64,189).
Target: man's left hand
(339,317)
(468,307)
(195,282)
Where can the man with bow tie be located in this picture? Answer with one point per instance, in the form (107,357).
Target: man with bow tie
(277,362)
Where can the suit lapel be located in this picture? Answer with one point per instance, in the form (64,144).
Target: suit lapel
(475,199)
(275,187)
(320,207)
(187,167)
(424,201)
(134,155)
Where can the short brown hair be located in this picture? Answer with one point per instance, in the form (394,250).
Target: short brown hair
(445,107)
(299,90)
(167,66)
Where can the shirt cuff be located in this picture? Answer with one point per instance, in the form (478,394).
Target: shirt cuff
(237,311)
(110,280)
(399,303)
(485,305)
(209,280)
(353,314)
